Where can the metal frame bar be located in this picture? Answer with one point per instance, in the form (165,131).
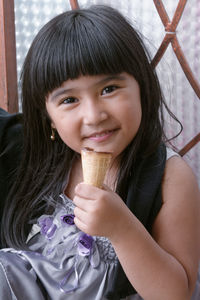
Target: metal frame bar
(170,37)
(74,4)
(8,69)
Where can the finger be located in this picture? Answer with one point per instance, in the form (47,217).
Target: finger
(82,203)
(82,226)
(80,214)
(79,202)
(86,191)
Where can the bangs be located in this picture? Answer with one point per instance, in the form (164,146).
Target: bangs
(77,43)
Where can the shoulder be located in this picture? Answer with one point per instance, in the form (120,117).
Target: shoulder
(10,129)
(11,141)
(180,187)
(9,121)
(179,177)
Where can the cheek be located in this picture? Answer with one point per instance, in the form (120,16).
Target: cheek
(64,129)
(131,116)
(136,117)
(65,124)
(70,134)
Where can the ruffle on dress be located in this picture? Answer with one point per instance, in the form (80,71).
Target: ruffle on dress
(62,262)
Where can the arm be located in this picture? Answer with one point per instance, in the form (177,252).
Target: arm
(165,264)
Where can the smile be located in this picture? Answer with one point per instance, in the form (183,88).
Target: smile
(101,136)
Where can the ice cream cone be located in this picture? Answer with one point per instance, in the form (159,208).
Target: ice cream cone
(95,165)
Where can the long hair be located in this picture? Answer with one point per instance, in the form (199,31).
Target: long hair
(98,40)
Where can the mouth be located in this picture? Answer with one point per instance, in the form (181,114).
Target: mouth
(101,136)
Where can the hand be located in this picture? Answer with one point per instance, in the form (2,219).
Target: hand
(99,212)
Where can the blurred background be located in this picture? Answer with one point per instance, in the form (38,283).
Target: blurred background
(181,98)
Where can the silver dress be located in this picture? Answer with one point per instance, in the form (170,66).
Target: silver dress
(68,263)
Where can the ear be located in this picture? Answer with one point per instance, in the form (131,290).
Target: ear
(53,125)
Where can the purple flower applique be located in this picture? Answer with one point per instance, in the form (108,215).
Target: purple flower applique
(86,247)
(48,228)
(68,219)
(85,244)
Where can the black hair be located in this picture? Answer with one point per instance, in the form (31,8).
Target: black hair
(98,40)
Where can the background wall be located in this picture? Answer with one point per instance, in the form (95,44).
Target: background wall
(181,98)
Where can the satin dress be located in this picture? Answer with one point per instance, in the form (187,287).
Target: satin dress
(63,262)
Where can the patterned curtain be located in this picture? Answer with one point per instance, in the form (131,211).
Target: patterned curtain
(180,96)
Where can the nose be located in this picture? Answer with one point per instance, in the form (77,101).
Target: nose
(94,112)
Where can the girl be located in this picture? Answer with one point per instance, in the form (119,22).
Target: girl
(87,82)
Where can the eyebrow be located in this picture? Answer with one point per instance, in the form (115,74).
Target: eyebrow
(63,91)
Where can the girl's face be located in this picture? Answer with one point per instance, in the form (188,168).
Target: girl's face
(102,112)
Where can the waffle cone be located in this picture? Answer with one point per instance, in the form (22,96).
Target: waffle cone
(95,165)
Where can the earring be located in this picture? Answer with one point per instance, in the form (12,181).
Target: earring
(52,134)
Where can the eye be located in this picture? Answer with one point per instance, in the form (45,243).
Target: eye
(69,100)
(109,89)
